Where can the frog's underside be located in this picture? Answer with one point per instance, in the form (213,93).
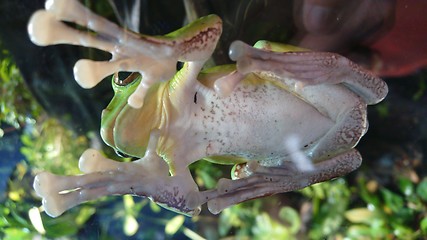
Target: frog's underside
(285,119)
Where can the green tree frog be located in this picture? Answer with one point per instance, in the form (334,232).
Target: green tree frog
(285,117)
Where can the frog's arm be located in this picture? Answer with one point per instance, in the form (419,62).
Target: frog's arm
(154,57)
(148,177)
(310,68)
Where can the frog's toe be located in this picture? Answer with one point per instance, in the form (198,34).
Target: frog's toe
(213,207)
(52,207)
(39,184)
(224,185)
(46,183)
(56,204)
(225,85)
(93,161)
(194,199)
(90,161)
(53,190)
(89,73)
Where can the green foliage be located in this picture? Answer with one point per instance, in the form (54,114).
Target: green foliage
(388,214)
(336,209)
(15,222)
(17,104)
(50,146)
(207,173)
(249,221)
(329,203)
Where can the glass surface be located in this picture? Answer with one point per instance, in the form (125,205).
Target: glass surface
(48,120)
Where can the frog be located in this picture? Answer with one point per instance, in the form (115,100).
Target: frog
(284,117)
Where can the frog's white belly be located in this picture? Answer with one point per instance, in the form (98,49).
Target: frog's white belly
(254,122)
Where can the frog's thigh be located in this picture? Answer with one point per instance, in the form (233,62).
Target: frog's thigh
(271,180)
(350,126)
(345,109)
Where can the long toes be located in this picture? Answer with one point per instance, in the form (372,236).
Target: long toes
(57,192)
(46,184)
(56,204)
(93,161)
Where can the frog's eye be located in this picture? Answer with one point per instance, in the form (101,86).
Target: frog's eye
(179,65)
(125,78)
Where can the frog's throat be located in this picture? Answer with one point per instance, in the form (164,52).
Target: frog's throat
(120,121)
(153,115)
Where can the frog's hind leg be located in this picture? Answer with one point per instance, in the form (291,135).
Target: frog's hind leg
(310,68)
(349,128)
(264,181)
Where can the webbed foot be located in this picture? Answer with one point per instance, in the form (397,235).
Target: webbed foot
(259,181)
(154,57)
(310,68)
(147,177)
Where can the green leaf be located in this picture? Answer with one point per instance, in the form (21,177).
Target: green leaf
(422,190)
(366,195)
(359,215)
(359,232)
(3,221)
(17,233)
(403,232)
(174,224)
(392,200)
(267,228)
(84,214)
(154,207)
(130,226)
(406,186)
(423,225)
(291,217)
(36,220)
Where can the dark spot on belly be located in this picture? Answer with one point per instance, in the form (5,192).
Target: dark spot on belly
(195,98)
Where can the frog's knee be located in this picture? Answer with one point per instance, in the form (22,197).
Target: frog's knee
(243,170)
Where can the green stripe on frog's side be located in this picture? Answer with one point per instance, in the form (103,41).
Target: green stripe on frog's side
(117,131)
(226,160)
(110,113)
(195,39)
(208,76)
(278,47)
(202,24)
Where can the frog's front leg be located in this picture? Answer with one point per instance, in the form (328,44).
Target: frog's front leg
(310,68)
(154,57)
(148,176)
(257,181)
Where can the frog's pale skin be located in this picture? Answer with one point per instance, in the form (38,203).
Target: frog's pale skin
(239,114)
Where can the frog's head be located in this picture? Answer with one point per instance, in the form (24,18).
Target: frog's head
(127,129)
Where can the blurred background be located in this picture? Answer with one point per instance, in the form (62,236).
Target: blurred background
(47,121)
